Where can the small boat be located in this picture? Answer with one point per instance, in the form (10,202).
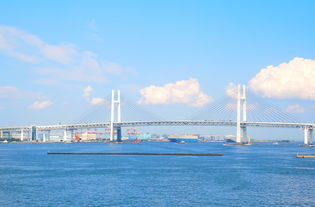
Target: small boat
(5,141)
(249,143)
(181,142)
(275,143)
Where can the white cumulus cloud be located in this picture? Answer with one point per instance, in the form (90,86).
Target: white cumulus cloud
(87,91)
(231,90)
(94,100)
(295,108)
(40,104)
(294,79)
(99,101)
(181,92)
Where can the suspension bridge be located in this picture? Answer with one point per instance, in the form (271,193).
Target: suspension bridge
(116,124)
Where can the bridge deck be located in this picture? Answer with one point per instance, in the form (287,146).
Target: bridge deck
(162,123)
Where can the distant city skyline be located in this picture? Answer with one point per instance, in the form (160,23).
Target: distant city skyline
(59,58)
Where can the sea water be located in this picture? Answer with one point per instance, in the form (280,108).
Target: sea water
(263,174)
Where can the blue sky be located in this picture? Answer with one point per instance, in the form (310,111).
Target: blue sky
(51,51)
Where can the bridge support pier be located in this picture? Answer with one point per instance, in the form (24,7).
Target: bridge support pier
(72,135)
(308,136)
(244,134)
(47,137)
(8,134)
(305,136)
(22,135)
(65,136)
(34,133)
(112,115)
(118,134)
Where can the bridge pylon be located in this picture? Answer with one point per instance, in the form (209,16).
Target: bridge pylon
(308,136)
(241,129)
(115,103)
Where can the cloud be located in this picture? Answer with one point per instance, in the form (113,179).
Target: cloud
(294,79)
(4,45)
(87,91)
(29,48)
(113,68)
(231,90)
(8,91)
(48,82)
(182,92)
(85,69)
(40,104)
(61,53)
(100,102)
(94,100)
(56,63)
(22,57)
(11,92)
(295,109)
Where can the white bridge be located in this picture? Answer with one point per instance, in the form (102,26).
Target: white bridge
(241,124)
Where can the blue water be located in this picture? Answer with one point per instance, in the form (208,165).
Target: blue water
(257,175)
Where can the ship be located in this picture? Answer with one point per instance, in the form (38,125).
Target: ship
(182,138)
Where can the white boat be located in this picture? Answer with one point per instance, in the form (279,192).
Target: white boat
(248,143)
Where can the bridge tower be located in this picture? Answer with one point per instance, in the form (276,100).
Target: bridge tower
(308,136)
(115,103)
(241,129)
